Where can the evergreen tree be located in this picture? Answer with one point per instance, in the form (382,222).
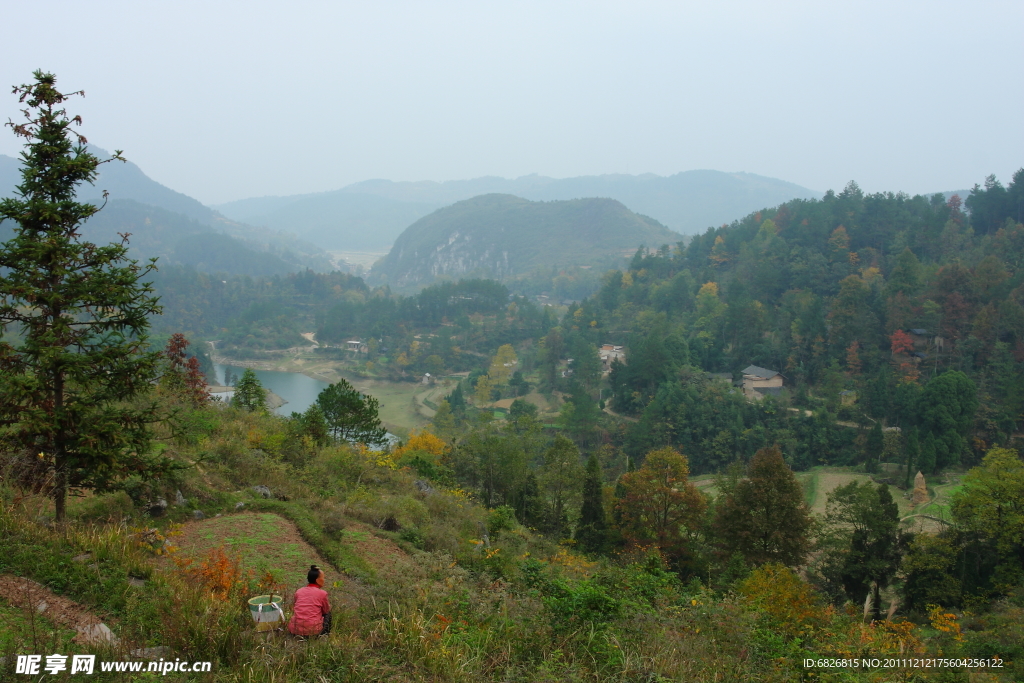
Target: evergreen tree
(926,459)
(765,518)
(182,376)
(947,407)
(869,518)
(351,416)
(78,360)
(456,401)
(249,392)
(592,530)
(312,424)
(444,422)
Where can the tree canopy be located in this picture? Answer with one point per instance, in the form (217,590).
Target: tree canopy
(764,517)
(351,415)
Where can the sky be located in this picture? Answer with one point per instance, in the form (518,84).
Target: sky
(228,100)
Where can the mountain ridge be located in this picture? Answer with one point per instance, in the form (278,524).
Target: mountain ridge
(502,236)
(686,202)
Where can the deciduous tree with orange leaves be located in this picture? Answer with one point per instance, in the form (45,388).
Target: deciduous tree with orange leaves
(659,506)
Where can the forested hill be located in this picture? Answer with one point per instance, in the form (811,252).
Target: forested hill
(500,237)
(878,309)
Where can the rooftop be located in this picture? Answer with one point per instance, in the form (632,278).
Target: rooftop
(763,373)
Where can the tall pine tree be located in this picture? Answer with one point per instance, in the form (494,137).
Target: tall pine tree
(78,360)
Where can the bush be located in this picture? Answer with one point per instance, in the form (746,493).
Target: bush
(502,518)
(110,507)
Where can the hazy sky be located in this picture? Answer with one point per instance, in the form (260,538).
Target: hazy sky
(225,100)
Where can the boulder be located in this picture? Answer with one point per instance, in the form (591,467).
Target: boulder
(198,514)
(178,498)
(262,491)
(95,634)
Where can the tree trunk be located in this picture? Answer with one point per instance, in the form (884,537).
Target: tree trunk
(60,494)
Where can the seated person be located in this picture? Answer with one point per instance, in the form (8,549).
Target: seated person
(312,613)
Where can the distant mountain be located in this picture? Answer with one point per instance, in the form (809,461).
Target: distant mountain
(175,227)
(370,214)
(178,240)
(501,236)
(687,202)
(339,220)
(122,180)
(125,180)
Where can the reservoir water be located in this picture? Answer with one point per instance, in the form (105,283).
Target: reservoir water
(297,389)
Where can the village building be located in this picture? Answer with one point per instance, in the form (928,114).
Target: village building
(608,354)
(759,382)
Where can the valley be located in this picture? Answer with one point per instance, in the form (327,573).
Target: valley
(707,426)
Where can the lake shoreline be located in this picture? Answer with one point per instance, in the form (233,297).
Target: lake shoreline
(403,405)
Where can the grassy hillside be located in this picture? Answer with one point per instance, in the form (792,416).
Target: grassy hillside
(501,236)
(426,584)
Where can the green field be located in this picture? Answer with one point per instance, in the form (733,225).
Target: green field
(261,541)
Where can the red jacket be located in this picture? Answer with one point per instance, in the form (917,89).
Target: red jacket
(311,605)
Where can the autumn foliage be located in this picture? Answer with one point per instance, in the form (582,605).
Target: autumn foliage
(789,602)
(420,443)
(901,342)
(218,572)
(659,505)
(183,376)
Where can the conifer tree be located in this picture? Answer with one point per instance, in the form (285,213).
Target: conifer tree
(913,452)
(182,376)
(868,515)
(559,477)
(592,530)
(352,416)
(71,373)
(249,393)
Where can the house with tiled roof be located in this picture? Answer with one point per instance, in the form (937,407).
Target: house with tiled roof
(759,382)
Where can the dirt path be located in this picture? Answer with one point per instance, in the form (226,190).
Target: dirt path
(27,594)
